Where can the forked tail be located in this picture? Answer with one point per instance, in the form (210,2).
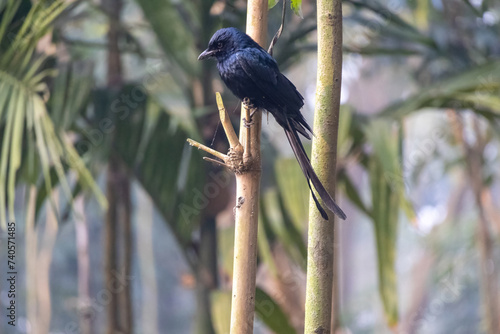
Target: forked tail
(305,165)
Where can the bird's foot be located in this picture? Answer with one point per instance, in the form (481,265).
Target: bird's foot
(250,106)
(247,124)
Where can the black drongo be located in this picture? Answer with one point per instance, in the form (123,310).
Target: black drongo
(250,72)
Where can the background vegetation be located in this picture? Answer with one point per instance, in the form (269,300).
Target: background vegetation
(122,226)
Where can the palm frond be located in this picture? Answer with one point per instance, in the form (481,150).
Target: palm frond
(24,119)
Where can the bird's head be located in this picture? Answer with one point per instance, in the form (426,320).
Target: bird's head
(226,41)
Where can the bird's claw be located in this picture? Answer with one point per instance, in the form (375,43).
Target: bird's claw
(247,124)
(249,105)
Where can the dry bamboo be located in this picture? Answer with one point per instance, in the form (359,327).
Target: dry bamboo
(244,159)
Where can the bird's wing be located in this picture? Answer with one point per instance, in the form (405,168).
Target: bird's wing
(264,72)
(259,66)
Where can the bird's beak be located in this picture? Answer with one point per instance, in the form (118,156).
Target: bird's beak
(206,54)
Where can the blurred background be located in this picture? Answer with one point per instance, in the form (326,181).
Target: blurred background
(121,227)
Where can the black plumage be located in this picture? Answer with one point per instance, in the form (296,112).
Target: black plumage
(250,72)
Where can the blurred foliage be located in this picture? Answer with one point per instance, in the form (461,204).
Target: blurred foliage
(457,51)
(271,314)
(30,139)
(142,134)
(476,89)
(265,309)
(386,195)
(221,311)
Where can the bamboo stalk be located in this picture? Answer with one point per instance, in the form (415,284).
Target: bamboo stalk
(244,159)
(247,197)
(324,155)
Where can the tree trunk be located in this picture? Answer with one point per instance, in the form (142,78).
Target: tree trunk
(247,198)
(320,255)
(118,248)
(118,234)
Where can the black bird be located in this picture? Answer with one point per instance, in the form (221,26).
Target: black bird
(250,72)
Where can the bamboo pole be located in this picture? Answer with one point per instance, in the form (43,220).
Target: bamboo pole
(247,197)
(244,160)
(324,155)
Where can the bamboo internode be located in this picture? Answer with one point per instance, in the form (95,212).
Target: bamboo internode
(320,254)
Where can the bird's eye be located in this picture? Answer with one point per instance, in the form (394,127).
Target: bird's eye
(219,45)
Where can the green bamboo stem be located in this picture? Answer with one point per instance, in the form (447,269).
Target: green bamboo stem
(247,198)
(320,255)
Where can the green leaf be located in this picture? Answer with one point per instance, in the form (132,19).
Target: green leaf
(173,35)
(388,193)
(381,51)
(225,245)
(263,241)
(385,210)
(6,145)
(266,310)
(296,6)
(272,3)
(293,189)
(345,140)
(352,194)
(8,9)
(145,140)
(477,88)
(271,314)
(29,131)
(221,311)
(276,220)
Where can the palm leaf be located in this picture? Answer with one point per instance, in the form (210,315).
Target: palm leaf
(172,33)
(23,111)
(266,309)
(477,88)
(155,150)
(293,189)
(388,196)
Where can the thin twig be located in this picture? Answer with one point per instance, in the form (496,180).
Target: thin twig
(280,30)
(207,149)
(226,124)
